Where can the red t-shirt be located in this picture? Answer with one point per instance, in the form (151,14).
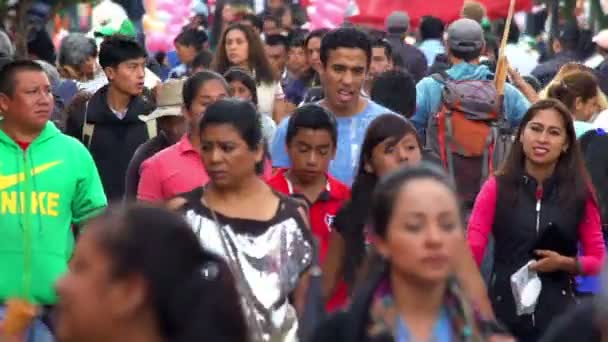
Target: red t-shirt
(322,214)
(23,144)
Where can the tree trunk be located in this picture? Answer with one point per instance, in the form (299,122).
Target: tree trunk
(22,28)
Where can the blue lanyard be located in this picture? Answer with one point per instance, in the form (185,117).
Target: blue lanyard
(442,331)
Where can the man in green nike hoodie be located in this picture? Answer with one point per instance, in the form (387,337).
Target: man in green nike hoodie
(48,182)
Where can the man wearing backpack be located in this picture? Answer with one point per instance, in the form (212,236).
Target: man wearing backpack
(465,44)
(109,124)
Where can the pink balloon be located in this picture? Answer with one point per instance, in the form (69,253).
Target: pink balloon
(174,28)
(158,42)
(327,13)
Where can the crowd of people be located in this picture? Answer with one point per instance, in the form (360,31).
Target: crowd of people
(277,184)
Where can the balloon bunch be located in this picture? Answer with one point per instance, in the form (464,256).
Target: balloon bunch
(163,21)
(327,13)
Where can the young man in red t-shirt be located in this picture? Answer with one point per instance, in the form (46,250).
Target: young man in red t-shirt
(311,145)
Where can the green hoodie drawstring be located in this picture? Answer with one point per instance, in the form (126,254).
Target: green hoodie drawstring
(27,228)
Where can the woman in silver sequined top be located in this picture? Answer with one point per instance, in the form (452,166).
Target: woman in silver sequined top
(263,235)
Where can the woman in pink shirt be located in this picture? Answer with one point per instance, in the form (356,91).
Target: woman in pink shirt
(179,168)
(538,208)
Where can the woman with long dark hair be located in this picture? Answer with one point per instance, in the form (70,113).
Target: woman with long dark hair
(539,207)
(410,293)
(390,143)
(139,274)
(223,15)
(240,47)
(263,235)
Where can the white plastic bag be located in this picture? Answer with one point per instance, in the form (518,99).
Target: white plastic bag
(526,287)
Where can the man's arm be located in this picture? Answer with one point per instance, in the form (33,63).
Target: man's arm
(516,105)
(425,98)
(89,198)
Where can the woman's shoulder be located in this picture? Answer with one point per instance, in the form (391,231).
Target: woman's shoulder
(187,200)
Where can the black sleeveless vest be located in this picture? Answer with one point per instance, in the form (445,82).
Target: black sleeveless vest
(522,225)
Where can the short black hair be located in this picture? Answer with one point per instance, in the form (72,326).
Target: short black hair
(277,39)
(196,81)
(431,28)
(254,19)
(117,49)
(388,48)
(396,90)
(514,33)
(10,70)
(346,37)
(202,59)
(375,34)
(569,36)
(296,40)
(311,116)
(466,56)
(195,37)
(270,17)
(242,115)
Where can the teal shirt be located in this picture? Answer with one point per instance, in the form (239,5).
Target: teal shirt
(582,127)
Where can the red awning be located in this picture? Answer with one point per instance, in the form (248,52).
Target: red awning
(374,12)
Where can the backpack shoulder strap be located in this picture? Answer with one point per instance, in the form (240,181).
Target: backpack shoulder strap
(441,77)
(151,128)
(87,128)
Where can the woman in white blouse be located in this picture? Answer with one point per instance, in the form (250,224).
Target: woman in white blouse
(240,47)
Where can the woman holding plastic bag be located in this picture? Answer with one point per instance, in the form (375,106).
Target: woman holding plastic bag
(538,207)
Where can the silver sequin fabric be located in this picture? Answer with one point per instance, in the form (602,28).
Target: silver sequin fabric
(272,263)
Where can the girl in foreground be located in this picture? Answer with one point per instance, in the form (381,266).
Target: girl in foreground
(410,294)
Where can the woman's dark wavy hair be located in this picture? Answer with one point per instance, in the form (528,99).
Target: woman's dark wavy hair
(570,172)
(351,219)
(256,56)
(191,291)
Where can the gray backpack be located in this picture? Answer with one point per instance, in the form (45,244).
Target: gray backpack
(469,132)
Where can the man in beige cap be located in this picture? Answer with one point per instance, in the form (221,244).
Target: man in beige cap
(171,127)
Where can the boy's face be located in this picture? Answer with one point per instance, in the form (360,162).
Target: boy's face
(128,76)
(277,56)
(310,151)
(296,60)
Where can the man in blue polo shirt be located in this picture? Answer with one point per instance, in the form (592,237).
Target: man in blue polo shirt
(345,58)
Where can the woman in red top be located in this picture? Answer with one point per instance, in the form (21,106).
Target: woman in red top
(539,207)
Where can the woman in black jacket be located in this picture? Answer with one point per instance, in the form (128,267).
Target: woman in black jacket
(539,208)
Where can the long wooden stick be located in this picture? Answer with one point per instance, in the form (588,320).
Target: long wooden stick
(501,65)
